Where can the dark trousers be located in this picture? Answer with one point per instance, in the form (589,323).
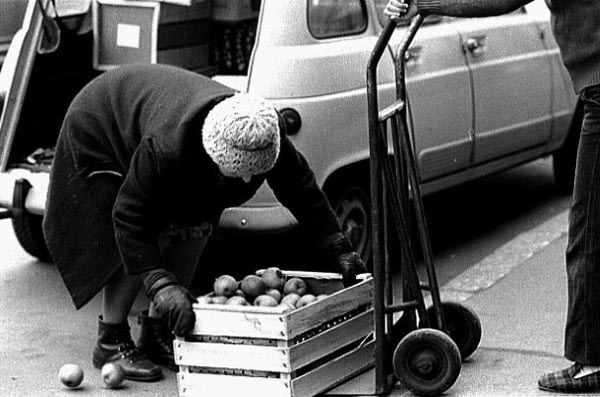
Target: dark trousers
(582,333)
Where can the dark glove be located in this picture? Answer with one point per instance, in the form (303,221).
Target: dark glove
(172,301)
(346,261)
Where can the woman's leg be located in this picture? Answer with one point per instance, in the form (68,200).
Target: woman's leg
(118,297)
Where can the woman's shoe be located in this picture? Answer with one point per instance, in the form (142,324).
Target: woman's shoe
(156,341)
(565,381)
(115,345)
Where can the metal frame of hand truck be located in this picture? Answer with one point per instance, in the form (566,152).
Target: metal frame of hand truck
(396,194)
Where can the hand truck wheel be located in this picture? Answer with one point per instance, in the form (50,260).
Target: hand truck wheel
(427,362)
(462,325)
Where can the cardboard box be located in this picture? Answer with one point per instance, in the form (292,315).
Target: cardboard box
(128,31)
(267,351)
(235,10)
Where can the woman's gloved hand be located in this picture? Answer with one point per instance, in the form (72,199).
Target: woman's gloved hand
(346,261)
(171,300)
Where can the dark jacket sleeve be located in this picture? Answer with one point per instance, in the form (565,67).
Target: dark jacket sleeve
(469,8)
(136,213)
(295,186)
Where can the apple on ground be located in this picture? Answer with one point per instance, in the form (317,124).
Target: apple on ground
(112,375)
(71,375)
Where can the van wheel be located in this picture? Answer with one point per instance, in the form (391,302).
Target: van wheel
(351,206)
(28,229)
(564,159)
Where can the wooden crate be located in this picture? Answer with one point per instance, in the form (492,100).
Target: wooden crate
(249,350)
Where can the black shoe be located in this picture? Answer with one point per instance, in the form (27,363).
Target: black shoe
(115,345)
(564,381)
(156,341)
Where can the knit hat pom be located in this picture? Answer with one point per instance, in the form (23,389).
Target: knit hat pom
(241,135)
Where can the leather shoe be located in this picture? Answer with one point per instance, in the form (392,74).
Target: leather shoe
(115,345)
(564,381)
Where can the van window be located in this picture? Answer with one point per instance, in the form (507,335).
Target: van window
(334,18)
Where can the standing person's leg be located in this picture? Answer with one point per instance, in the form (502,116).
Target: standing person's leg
(181,249)
(582,330)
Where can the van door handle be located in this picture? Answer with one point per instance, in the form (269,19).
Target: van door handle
(476,45)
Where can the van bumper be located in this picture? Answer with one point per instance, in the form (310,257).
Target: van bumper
(35,202)
(267,219)
(247,219)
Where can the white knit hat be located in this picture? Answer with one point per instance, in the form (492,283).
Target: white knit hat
(241,135)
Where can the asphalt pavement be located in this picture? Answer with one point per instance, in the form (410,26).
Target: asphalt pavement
(518,291)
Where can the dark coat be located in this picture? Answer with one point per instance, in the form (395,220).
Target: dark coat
(131,145)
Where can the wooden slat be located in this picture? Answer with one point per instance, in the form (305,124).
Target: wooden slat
(331,340)
(245,324)
(232,356)
(334,372)
(335,305)
(209,385)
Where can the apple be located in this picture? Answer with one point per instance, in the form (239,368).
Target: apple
(265,300)
(237,300)
(306,300)
(225,285)
(253,286)
(239,292)
(219,300)
(295,284)
(275,294)
(291,299)
(70,375)
(286,306)
(273,278)
(205,300)
(112,375)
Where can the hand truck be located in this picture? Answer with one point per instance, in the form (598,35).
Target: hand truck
(428,343)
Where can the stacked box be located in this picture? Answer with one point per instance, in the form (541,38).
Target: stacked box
(128,31)
(268,351)
(235,10)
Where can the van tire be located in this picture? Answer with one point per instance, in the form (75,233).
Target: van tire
(28,230)
(565,158)
(352,209)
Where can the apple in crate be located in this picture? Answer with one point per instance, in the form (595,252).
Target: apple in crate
(295,285)
(253,286)
(273,278)
(225,285)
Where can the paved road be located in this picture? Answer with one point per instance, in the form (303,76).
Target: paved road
(40,330)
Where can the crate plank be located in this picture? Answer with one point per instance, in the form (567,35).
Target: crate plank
(331,340)
(334,372)
(209,385)
(337,304)
(232,356)
(239,324)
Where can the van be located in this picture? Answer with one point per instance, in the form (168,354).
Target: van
(484,95)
